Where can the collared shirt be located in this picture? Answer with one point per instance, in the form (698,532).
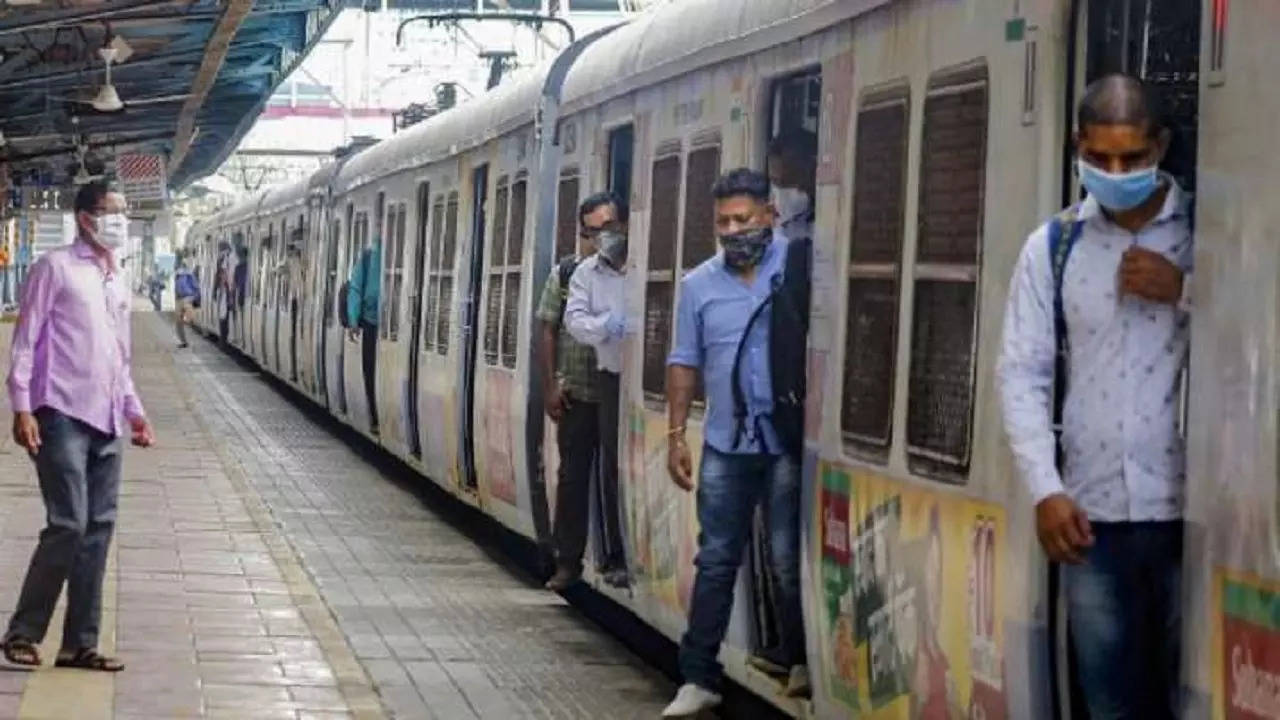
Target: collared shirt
(1124,457)
(575,362)
(711,317)
(71,345)
(596,295)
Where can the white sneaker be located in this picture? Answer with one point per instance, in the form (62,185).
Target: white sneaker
(691,700)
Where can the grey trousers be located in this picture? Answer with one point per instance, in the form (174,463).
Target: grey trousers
(79,469)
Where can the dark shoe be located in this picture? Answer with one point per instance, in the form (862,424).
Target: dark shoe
(88,659)
(183,346)
(798,682)
(21,651)
(564,579)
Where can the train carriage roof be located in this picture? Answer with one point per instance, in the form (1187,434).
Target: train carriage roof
(680,37)
(284,197)
(491,115)
(245,209)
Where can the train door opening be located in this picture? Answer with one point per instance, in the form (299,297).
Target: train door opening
(470,315)
(794,106)
(415,305)
(330,284)
(342,308)
(1157,41)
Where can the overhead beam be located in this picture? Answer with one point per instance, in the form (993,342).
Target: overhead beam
(228,25)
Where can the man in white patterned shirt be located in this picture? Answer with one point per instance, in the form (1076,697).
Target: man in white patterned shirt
(1105,283)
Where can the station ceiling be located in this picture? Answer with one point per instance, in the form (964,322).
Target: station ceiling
(191,76)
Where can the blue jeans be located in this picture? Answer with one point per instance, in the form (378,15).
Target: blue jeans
(729,487)
(1125,613)
(79,470)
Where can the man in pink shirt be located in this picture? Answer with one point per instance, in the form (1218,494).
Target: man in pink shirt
(73,400)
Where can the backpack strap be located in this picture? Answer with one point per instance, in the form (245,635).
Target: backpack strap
(1064,230)
(564,270)
(739,396)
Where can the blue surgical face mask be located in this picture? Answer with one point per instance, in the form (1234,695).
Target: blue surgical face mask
(1118,191)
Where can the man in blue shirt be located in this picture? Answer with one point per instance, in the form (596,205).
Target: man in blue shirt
(362,313)
(743,460)
(186,292)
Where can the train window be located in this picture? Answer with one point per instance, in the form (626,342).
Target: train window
(331,268)
(448,247)
(497,253)
(875,266)
(622,142)
(664,227)
(944,323)
(567,217)
(433,275)
(699,225)
(395,228)
(515,238)
(515,250)
(388,262)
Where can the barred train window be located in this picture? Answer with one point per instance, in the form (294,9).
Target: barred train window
(664,225)
(432,308)
(497,253)
(449,247)
(875,267)
(699,224)
(515,257)
(944,326)
(567,217)
(395,228)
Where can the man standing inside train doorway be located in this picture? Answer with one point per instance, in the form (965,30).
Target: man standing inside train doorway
(745,462)
(572,397)
(362,313)
(1096,333)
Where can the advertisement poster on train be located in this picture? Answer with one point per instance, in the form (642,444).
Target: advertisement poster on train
(1245,660)
(662,523)
(911,584)
(498,467)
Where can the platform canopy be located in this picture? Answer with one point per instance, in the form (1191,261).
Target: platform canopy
(187,79)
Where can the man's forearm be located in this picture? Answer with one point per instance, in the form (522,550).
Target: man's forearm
(681,382)
(548,338)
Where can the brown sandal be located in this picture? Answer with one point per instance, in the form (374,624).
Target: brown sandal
(21,651)
(89,659)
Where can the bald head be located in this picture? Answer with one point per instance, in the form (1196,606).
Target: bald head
(1118,99)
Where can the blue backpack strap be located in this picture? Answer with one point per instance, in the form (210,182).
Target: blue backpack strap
(1064,230)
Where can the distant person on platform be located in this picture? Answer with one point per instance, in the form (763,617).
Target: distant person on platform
(363,292)
(73,400)
(186,291)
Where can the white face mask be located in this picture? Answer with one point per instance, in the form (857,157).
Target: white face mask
(111,230)
(790,202)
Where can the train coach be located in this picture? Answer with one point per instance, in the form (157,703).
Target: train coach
(944,133)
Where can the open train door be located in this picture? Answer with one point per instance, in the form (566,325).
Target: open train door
(1159,42)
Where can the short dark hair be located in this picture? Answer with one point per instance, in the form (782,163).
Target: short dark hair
(739,182)
(597,201)
(799,145)
(1119,99)
(89,194)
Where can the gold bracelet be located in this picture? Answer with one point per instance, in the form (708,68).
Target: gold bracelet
(675,431)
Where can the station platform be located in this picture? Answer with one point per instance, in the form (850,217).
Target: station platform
(263,568)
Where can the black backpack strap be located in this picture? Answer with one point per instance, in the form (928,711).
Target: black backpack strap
(1064,230)
(739,396)
(564,271)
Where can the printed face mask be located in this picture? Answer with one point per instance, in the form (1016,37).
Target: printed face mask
(1118,191)
(744,250)
(790,202)
(613,248)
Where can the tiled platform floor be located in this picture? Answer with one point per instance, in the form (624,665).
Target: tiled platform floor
(263,569)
